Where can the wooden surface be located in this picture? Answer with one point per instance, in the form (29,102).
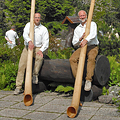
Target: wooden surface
(28,100)
(102,71)
(59,70)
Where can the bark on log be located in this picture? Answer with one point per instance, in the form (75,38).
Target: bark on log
(97,91)
(59,70)
(40,87)
(87,96)
(102,71)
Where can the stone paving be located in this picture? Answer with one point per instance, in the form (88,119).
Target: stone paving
(52,106)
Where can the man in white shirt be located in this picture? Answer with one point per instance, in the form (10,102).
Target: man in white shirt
(41,43)
(92,48)
(10,36)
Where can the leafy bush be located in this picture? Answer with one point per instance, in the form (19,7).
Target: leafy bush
(116,101)
(2,40)
(109,46)
(62,87)
(55,26)
(8,72)
(60,54)
(105,91)
(115,71)
(9,59)
(10,54)
(114,78)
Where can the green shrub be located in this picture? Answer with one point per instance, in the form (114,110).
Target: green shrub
(105,91)
(60,54)
(114,71)
(62,87)
(10,54)
(2,40)
(9,59)
(116,101)
(55,26)
(8,72)
(109,46)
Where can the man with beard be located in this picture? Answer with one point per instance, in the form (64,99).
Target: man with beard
(92,48)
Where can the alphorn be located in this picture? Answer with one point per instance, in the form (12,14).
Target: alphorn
(28,99)
(72,110)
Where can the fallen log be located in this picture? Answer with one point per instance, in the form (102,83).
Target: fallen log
(59,70)
(102,71)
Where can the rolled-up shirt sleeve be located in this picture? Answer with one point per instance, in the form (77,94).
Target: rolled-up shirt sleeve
(93,32)
(26,33)
(75,37)
(45,40)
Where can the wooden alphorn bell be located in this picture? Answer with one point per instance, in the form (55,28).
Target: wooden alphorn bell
(28,99)
(72,110)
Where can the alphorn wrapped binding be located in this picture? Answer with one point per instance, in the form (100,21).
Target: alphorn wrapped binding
(72,110)
(28,99)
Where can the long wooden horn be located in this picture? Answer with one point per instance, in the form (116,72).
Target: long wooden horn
(72,110)
(28,99)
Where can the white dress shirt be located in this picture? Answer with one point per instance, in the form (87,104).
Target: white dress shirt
(11,35)
(41,36)
(91,38)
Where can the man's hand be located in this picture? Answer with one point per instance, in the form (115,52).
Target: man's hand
(10,42)
(40,53)
(82,36)
(31,45)
(83,43)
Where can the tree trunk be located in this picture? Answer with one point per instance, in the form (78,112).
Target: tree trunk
(59,70)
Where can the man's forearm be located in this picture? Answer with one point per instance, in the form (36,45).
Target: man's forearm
(8,39)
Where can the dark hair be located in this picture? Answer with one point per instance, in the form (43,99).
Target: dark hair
(13,27)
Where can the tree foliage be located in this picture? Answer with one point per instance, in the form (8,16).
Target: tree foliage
(106,13)
(17,12)
(2,18)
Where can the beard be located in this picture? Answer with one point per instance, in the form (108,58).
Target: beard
(82,21)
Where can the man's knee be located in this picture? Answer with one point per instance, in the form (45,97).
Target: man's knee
(72,60)
(39,58)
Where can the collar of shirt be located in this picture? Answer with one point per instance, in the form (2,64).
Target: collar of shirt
(80,25)
(35,26)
